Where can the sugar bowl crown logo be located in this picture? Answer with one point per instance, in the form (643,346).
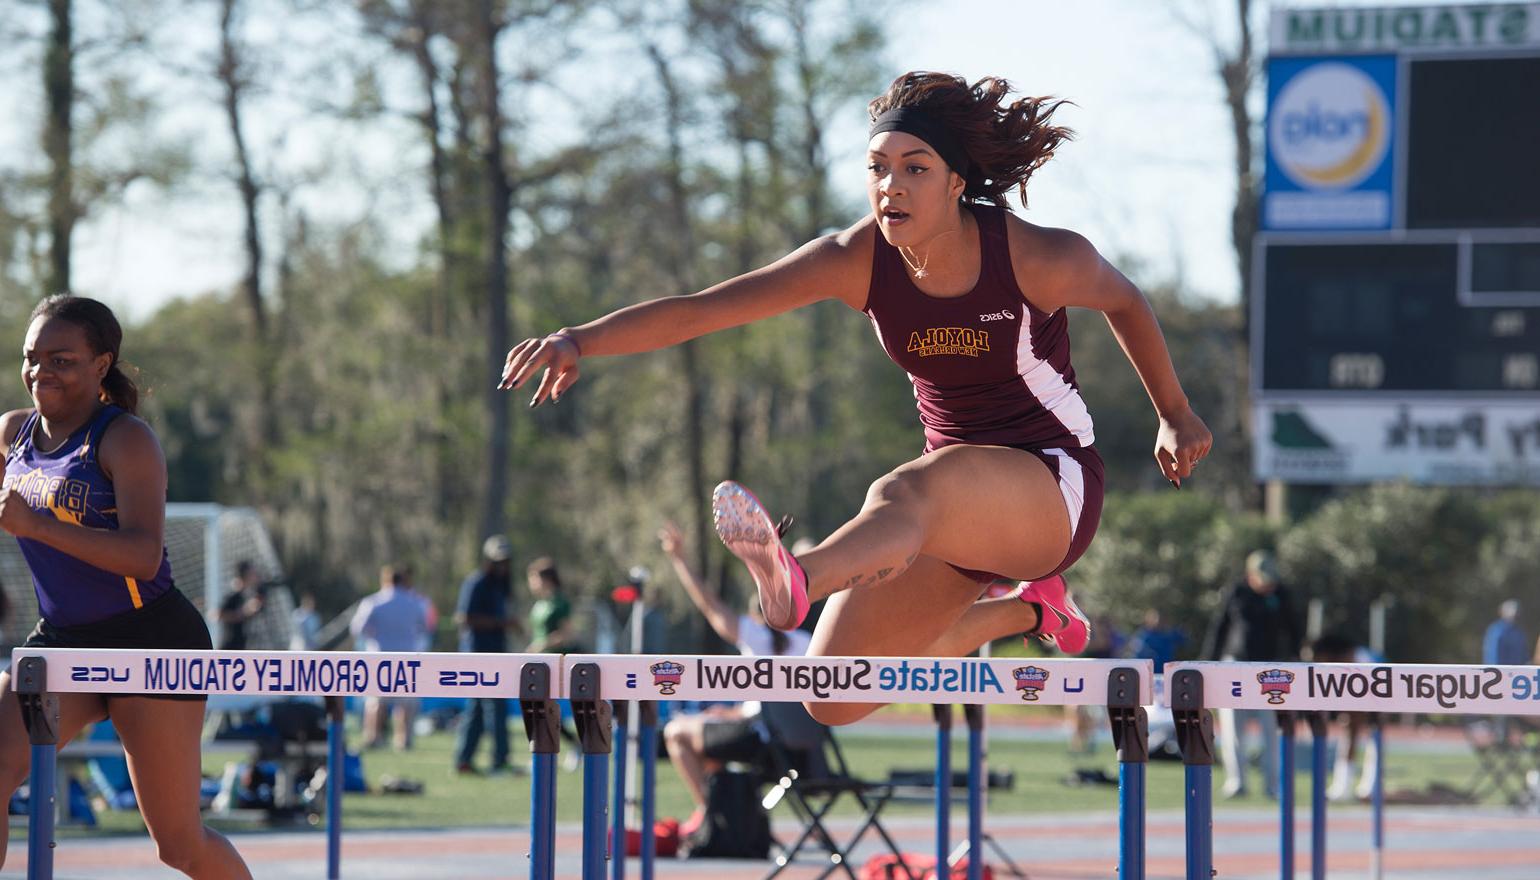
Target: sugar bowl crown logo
(1030,680)
(1275,683)
(666,675)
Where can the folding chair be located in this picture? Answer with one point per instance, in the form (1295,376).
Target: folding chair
(1501,760)
(812,777)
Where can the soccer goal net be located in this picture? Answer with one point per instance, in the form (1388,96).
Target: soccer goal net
(205,543)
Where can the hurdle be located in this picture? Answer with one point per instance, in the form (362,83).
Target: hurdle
(40,675)
(1122,686)
(1306,690)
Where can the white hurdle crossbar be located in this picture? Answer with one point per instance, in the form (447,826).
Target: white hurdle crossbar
(1307,690)
(40,675)
(1124,687)
(537,681)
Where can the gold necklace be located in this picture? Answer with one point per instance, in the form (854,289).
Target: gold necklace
(920,270)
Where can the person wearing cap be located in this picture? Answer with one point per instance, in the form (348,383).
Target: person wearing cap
(484,618)
(1256,622)
(971,301)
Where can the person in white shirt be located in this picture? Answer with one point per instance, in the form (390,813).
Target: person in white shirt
(394,619)
(702,741)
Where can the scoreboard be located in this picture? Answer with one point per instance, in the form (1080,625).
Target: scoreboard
(1396,307)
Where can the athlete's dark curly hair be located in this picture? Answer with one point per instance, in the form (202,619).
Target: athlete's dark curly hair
(1005,144)
(104,335)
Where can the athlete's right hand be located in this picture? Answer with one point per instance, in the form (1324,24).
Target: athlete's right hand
(557,354)
(16,515)
(672,540)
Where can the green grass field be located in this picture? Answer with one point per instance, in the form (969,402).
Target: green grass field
(1040,768)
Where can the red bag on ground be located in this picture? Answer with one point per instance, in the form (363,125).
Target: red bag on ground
(665,839)
(887,867)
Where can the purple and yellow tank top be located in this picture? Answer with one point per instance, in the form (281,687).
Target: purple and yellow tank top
(69,483)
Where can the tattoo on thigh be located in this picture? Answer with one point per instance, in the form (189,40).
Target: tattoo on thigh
(868,579)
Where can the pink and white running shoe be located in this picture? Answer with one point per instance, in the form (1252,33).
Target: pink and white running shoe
(746,529)
(1059,619)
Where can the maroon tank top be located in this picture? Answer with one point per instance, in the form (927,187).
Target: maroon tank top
(988,367)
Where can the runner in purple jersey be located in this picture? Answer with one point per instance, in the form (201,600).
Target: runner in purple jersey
(85,495)
(969,299)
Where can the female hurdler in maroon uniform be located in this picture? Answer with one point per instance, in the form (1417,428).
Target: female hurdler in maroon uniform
(969,299)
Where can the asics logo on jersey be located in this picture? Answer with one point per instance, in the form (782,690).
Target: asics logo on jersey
(1002,315)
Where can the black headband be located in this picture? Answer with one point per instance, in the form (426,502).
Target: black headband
(934,132)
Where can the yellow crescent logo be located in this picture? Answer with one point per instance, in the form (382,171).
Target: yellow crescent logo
(1367,151)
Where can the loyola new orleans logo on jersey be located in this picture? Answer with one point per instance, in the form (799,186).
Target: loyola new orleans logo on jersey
(667,675)
(949,340)
(1275,683)
(1030,680)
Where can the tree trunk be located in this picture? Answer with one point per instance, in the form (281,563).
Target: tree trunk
(58,135)
(230,78)
(820,330)
(499,203)
(439,311)
(679,265)
(1238,73)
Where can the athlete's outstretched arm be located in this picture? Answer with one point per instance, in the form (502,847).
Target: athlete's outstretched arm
(1066,270)
(825,268)
(131,456)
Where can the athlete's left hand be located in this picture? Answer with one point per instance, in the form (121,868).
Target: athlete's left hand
(1182,441)
(16,515)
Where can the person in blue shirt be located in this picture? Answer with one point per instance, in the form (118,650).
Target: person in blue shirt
(1154,642)
(484,619)
(1505,644)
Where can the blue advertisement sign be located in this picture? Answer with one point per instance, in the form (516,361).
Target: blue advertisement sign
(1331,126)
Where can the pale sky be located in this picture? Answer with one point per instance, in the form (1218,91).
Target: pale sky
(1148,180)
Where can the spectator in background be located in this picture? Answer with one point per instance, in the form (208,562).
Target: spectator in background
(1338,648)
(244,602)
(484,620)
(703,740)
(392,619)
(429,611)
(1505,644)
(1154,642)
(552,629)
(304,625)
(1082,722)
(1255,623)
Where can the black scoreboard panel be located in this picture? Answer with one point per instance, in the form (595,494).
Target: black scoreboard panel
(1388,317)
(1473,143)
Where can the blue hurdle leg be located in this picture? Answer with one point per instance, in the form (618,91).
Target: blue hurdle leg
(1286,796)
(1317,796)
(1377,857)
(336,756)
(40,806)
(1195,735)
(40,714)
(1131,735)
(542,726)
(975,793)
(1200,821)
(618,818)
(647,746)
(1131,820)
(542,821)
(595,801)
(943,716)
